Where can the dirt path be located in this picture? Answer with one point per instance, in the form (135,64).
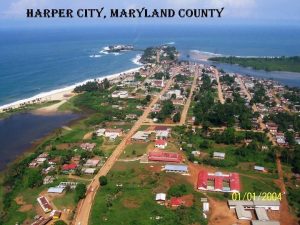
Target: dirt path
(85,206)
(189,100)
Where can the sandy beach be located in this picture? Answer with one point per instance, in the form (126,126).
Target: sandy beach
(61,95)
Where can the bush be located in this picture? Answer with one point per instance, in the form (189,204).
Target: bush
(178,190)
(80,191)
(103,180)
(60,222)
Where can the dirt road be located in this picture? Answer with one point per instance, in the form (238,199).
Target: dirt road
(84,206)
(220,93)
(189,100)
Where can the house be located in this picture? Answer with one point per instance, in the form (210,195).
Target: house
(176,168)
(119,94)
(41,221)
(72,185)
(140,136)
(44,203)
(55,214)
(196,153)
(162,135)
(176,202)
(92,163)
(113,133)
(69,167)
(280,138)
(160,198)
(219,155)
(48,180)
(158,83)
(164,157)
(131,116)
(100,132)
(55,190)
(89,170)
(88,146)
(161,144)
(272,127)
(259,168)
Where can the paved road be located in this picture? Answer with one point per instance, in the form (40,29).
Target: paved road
(189,100)
(84,206)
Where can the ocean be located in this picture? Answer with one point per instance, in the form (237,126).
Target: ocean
(34,61)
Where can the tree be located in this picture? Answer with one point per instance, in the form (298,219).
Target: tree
(80,191)
(176,117)
(34,178)
(60,222)
(103,180)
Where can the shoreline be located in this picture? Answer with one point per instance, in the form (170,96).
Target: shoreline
(61,94)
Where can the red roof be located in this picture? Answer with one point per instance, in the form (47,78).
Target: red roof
(235,182)
(202,179)
(233,179)
(160,142)
(164,157)
(72,166)
(218,183)
(161,128)
(176,201)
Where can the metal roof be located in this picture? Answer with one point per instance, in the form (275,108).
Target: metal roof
(259,222)
(176,167)
(261,214)
(57,190)
(242,213)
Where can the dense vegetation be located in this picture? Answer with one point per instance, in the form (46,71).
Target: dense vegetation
(92,86)
(210,113)
(291,64)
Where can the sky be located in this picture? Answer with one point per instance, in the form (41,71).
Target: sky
(272,12)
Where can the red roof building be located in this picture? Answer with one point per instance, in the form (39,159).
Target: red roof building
(175,202)
(68,167)
(165,157)
(161,128)
(160,143)
(218,179)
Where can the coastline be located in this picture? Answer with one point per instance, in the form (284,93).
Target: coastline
(62,94)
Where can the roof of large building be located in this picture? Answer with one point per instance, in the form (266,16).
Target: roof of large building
(56,190)
(218,178)
(160,197)
(261,214)
(177,167)
(164,156)
(242,213)
(259,222)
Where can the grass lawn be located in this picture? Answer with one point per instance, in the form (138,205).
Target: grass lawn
(257,185)
(134,202)
(135,150)
(65,201)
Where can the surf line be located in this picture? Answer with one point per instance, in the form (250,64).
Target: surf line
(165,13)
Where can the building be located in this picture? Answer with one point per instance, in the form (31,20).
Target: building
(140,136)
(218,182)
(161,144)
(272,127)
(219,155)
(55,214)
(88,146)
(100,132)
(176,202)
(164,157)
(89,170)
(41,221)
(176,168)
(69,167)
(160,198)
(113,133)
(242,214)
(119,94)
(92,163)
(259,168)
(48,180)
(261,214)
(44,203)
(259,222)
(72,185)
(55,190)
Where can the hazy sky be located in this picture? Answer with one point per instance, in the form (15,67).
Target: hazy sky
(274,12)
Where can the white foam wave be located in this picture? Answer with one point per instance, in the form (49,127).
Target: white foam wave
(136,60)
(170,43)
(95,56)
(47,95)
